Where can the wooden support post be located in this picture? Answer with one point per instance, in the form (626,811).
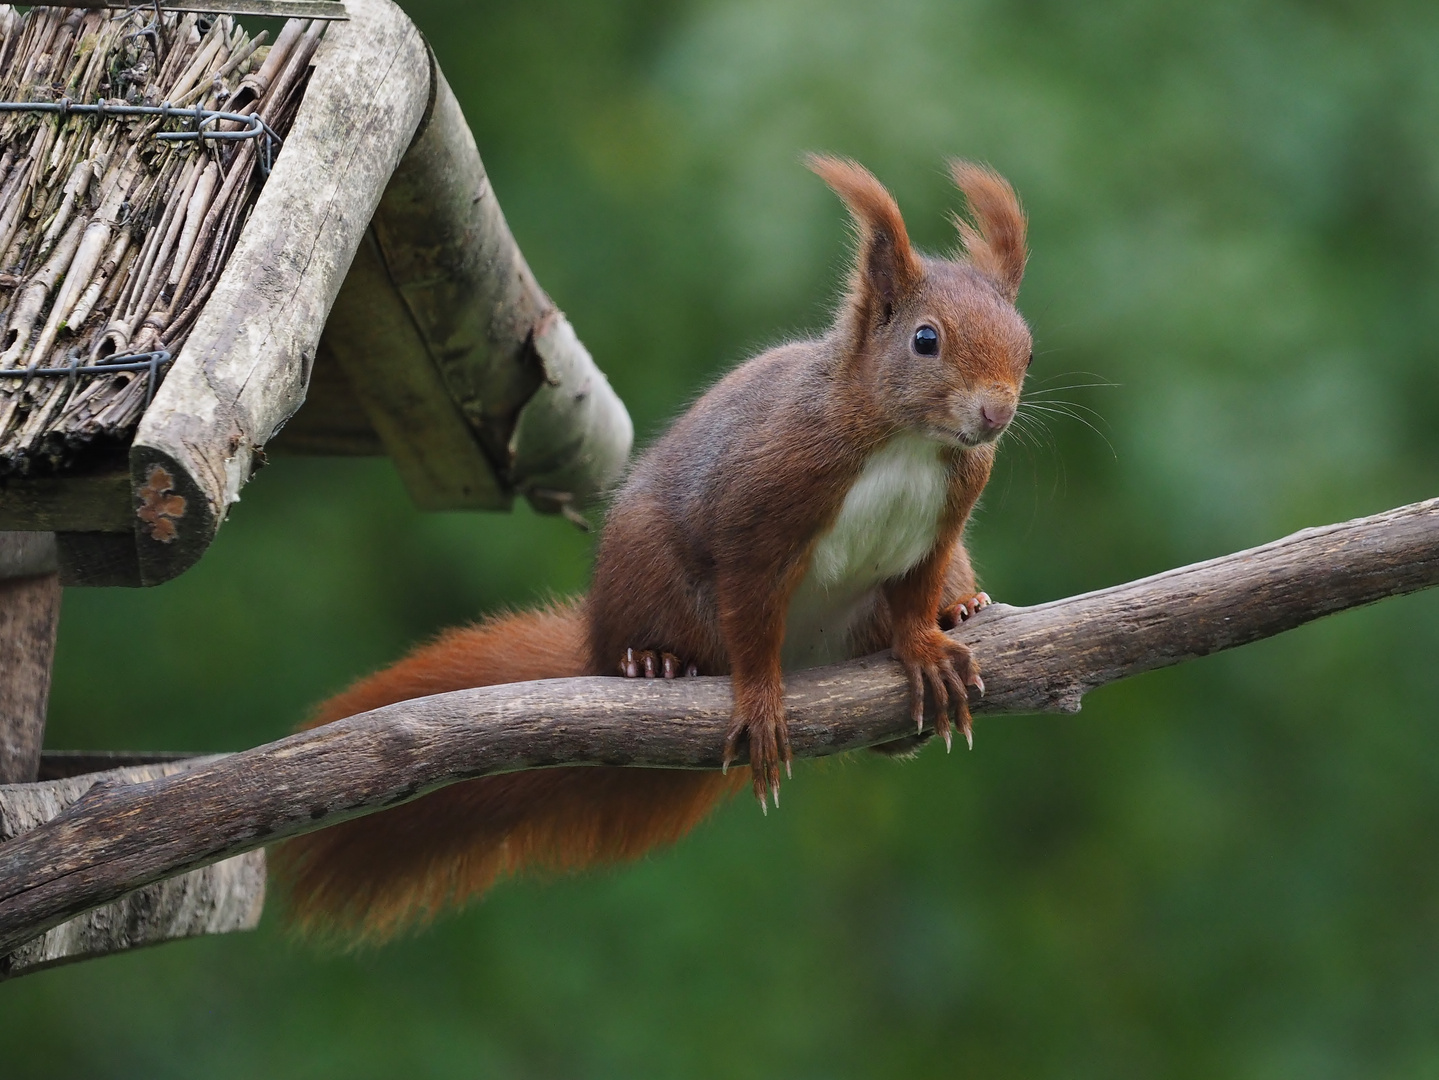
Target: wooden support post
(29,617)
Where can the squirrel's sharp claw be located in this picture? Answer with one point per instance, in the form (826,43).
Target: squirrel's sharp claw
(969,736)
(948,741)
(774,790)
(978,683)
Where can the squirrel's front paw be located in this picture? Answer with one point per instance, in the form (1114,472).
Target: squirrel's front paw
(948,669)
(647,663)
(764,728)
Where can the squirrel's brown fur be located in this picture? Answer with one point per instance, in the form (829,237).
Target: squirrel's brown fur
(707,544)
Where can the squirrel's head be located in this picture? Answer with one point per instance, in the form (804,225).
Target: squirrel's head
(938,338)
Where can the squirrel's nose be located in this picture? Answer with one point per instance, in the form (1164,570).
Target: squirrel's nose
(996,415)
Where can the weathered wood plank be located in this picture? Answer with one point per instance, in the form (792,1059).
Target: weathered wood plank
(221,898)
(244,368)
(1040,659)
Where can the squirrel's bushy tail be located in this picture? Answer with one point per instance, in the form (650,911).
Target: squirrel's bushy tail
(367,879)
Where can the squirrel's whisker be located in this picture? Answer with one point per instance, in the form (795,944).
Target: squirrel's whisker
(1050,407)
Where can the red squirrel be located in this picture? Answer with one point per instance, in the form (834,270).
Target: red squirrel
(807,509)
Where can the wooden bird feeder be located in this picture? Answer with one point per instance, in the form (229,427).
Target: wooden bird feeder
(295,248)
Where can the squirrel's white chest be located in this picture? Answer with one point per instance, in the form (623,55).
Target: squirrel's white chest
(889,522)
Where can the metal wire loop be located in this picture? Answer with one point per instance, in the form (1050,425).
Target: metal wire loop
(203,119)
(111,365)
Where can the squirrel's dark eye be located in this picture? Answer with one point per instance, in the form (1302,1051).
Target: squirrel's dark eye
(926,341)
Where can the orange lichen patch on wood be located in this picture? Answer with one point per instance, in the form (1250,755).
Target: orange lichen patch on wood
(158,508)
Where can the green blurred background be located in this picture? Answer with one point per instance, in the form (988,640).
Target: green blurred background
(1224,869)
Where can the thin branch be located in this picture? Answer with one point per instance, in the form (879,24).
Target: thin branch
(1040,659)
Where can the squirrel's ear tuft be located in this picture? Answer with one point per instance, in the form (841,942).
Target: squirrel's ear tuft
(994,240)
(886,268)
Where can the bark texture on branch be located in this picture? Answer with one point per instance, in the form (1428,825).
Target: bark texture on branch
(216,899)
(1040,659)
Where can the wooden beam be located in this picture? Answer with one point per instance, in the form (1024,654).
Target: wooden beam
(244,368)
(372,339)
(91,502)
(29,620)
(217,899)
(1039,659)
(473,378)
(269,9)
(572,439)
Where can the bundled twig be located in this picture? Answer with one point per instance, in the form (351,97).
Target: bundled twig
(112,231)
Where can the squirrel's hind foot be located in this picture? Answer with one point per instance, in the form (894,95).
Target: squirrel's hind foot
(648,664)
(966,607)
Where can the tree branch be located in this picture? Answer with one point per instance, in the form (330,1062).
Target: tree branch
(1041,659)
(223,897)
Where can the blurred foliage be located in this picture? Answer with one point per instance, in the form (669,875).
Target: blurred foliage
(1224,869)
